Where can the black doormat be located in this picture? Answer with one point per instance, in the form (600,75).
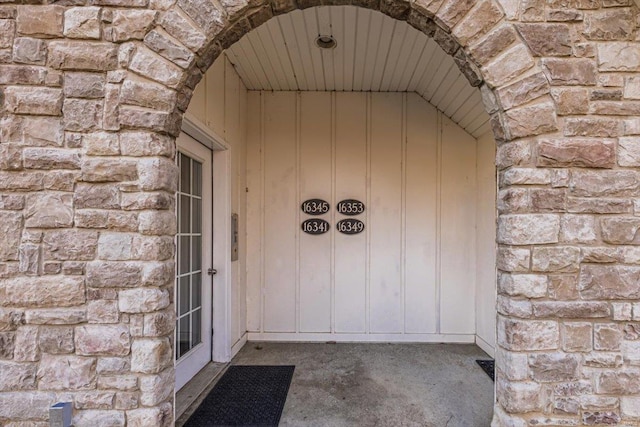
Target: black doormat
(245,396)
(489,367)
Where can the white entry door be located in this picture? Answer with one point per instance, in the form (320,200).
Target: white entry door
(193,294)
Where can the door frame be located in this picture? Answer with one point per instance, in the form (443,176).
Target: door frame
(221,228)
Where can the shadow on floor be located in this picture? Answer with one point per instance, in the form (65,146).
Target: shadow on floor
(427,385)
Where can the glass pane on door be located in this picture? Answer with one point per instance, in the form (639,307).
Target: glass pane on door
(189,257)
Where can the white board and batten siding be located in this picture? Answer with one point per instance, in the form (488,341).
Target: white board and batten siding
(411,275)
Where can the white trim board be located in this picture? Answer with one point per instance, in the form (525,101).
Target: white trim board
(371,338)
(485,347)
(202,133)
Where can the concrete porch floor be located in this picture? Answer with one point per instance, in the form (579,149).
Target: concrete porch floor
(428,385)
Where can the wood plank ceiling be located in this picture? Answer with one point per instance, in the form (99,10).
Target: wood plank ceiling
(374,53)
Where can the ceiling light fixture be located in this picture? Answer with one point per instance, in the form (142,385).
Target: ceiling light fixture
(326,42)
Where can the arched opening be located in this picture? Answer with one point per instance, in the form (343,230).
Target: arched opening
(384,118)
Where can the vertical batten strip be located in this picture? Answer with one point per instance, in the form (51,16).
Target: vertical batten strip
(438,220)
(403,214)
(368,217)
(262,213)
(333,213)
(298,119)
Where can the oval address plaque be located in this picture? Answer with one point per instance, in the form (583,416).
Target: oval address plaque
(350,226)
(315,226)
(350,207)
(315,207)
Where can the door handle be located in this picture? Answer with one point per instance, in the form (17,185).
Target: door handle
(212,272)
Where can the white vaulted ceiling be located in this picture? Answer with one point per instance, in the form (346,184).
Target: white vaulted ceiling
(374,53)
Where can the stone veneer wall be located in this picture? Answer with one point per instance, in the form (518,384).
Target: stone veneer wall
(92,97)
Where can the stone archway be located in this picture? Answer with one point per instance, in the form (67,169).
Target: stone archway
(92,102)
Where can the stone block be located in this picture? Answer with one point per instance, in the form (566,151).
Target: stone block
(523,91)
(514,307)
(598,402)
(510,64)
(28,50)
(26,405)
(56,340)
(148,417)
(624,381)
(513,154)
(577,153)
(525,176)
(157,223)
(103,311)
(70,245)
(546,39)
(67,373)
(129,24)
(113,365)
(7,32)
(82,22)
(120,382)
(41,21)
(526,285)
(607,337)
(158,273)
(97,196)
(513,259)
(10,233)
(609,282)
(577,337)
(82,55)
(528,335)
(10,319)
(548,199)
(558,259)
(7,344)
(629,151)
(96,417)
(105,340)
(33,100)
(126,400)
(571,309)
(142,300)
(209,17)
(592,127)
(149,64)
(82,115)
(532,119)
(56,316)
(44,291)
(109,170)
(104,274)
(160,323)
(518,397)
(620,230)
(26,344)
(619,56)
(554,367)
(181,27)
(84,85)
(496,42)
(630,406)
(484,16)
(115,246)
(165,46)
(17,376)
(600,418)
(94,400)
(151,356)
(567,72)
(577,228)
(604,183)
(528,229)
(157,174)
(609,24)
(145,93)
(570,101)
(156,388)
